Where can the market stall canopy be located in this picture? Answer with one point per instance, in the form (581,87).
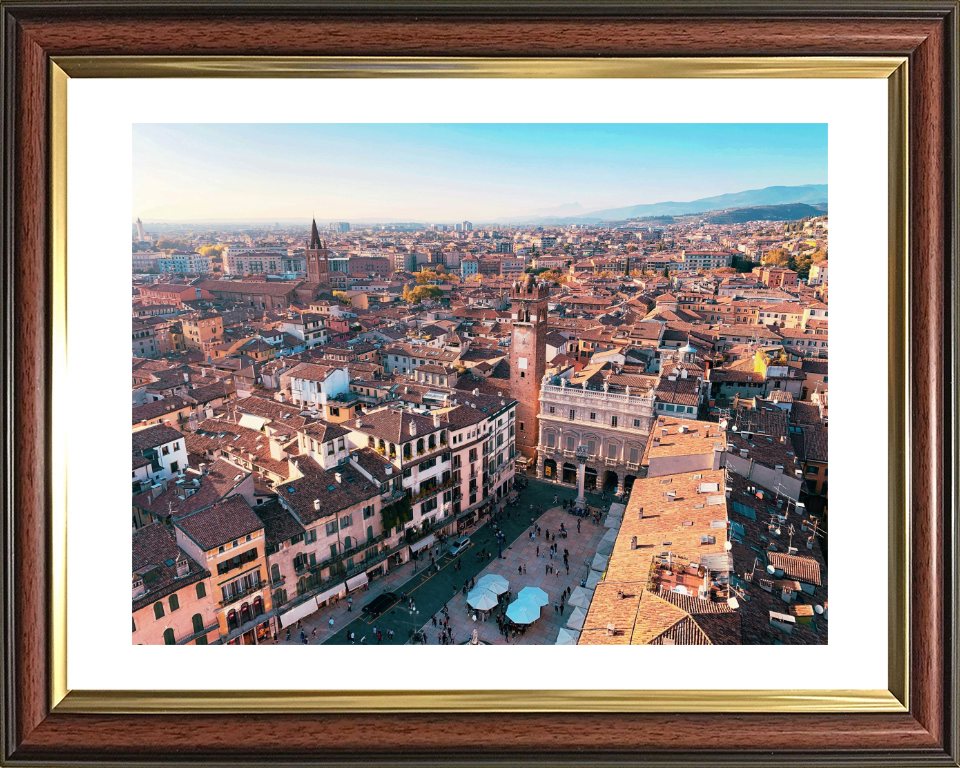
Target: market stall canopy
(576,619)
(609,536)
(580,598)
(605,548)
(298,612)
(494,582)
(482,599)
(593,579)
(523,612)
(535,595)
(567,637)
(599,563)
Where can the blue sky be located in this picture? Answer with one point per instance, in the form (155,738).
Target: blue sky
(455,171)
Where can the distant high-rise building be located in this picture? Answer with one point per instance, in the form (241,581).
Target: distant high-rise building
(316,257)
(458,228)
(467,226)
(340,226)
(139,230)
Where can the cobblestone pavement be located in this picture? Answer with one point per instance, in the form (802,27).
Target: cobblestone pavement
(432,590)
(541,571)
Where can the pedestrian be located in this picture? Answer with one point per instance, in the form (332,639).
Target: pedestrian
(314,633)
(374,630)
(379,637)
(548,534)
(561,609)
(568,568)
(538,550)
(578,526)
(524,570)
(288,634)
(331,623)
(556,607)
(546,568)
(390,635)
(439,639)
(351,637)
(520,570)
(302,636)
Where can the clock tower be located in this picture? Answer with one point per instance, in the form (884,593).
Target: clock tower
(528,359)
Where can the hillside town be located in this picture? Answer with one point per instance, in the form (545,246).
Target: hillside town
(581,434)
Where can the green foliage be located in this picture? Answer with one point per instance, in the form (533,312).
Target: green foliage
(167,244)
(776,257)
(342,297)
(211,250)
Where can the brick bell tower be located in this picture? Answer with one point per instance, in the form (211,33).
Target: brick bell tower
(528,359)
(316,256)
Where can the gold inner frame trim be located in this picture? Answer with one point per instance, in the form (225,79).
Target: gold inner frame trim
(893,69)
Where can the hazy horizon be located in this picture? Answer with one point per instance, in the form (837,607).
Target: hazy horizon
(251,173)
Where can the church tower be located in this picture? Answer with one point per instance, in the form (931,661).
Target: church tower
(316,256)
(528,359)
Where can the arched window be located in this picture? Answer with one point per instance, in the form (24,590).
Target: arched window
(369,533)
(158,610)
(274,573)
(245,613)
(443,437)
(382,445)
(168,637)
(197,622)
(406,451)
(201,590)
(371,442)
(420,445)
(232,622)
(432,442)
(257,606)
(279,597)
(174,603)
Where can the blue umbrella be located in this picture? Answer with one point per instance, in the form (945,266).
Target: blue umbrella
(523,612)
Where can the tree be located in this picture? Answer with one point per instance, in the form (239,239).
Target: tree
(801,265)
(425,276)
(422,292)
(211,250)
(742,265)
(666,271)
(776,257)
(818,255)
(725,271)
(636,273)
(342,297)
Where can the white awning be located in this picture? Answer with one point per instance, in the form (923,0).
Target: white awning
(423,543)
(331,592)
(357,581)
(304,609)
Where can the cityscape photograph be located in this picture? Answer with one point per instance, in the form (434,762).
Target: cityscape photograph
(480,384)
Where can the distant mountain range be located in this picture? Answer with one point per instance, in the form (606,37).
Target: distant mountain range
(572,213)
(807,193)
(789,212)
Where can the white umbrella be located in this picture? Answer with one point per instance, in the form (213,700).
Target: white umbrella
(593,579)
(580,598)
(599,563)
(576,619)
(605,548)
(617,510)
(482,599)
(535,595)
(523,612)
(610,536)
(567,637)
(494,582)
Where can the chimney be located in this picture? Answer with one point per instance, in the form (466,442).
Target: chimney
(388,469)
(183,567)
(783,438)
(436,421)
(413,428)
(640,513)
(203,469)
(338,477)
(316,504)
(633,543)
(282,397)
(476,392)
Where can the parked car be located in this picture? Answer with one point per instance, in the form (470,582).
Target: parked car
(460,545)
(380,603)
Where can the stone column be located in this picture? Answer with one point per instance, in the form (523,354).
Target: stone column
(581,474)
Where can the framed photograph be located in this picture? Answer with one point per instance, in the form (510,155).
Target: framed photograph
(497,329)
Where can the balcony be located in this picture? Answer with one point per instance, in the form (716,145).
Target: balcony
(237,596)
(429,493)
(611,462)
(389,497)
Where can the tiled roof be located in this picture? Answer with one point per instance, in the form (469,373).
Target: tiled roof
(225,521)
(151,437)
(153,546)
(316,484)
(279,525)
(158,408)
(805,569)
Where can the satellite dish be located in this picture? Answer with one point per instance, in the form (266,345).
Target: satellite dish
(818,609)
(701,571)
(771,570)
(728,545)
(777,531)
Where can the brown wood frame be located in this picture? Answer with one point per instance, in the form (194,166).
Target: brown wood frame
(925,32)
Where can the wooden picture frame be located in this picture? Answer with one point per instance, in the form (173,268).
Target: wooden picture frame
(915,721)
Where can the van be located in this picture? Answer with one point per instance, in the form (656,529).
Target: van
(460,545)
